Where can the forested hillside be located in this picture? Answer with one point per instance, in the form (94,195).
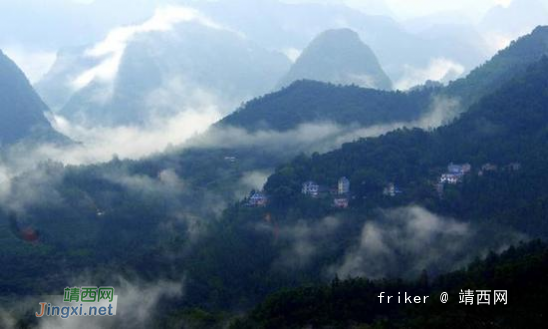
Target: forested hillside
(315,102)
(508,127)
(355,304)
(502,67)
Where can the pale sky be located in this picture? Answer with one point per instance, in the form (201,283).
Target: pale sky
(406,9)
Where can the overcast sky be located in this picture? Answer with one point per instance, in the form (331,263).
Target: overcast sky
(405,9)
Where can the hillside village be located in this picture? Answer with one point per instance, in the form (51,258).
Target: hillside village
(456,172)
(341,194)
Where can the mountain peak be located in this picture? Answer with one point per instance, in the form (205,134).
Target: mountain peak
(339,56)
(339,34)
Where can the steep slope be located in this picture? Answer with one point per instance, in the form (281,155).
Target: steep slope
(21,109)
(339,57)
(57,85)
(506,64)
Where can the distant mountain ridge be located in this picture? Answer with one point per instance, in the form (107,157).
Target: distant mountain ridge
(309,101)
(161,74)
(339,57)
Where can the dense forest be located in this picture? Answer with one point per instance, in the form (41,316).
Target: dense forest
(315,102)
(354,303)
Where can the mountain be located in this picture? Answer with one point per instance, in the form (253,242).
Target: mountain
(57,86)
(291,26)
(339,57)
(505,128)
(296,239)
(317,102)
(193,66)
(312,102)
(21,109)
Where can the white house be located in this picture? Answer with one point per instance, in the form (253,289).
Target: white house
(391,190)
(343,186)
(311,188)
(341,203)
(459,169)
(450,178)
(258,199)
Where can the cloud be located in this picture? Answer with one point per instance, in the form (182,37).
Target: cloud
(292,53)
(503,3)
(112,48)
(439,69)
(7,319)
(302,242)
(36,187)
(498,41)
(251,180)
(127,142)
(101,144)
(321,136)
(404,242)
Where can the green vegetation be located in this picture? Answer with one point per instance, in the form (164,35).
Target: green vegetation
(354,303)
(507,127)
(316,102)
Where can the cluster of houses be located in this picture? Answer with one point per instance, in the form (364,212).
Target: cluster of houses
(391,190)
(312,189)
(340,194)
(230,158)
(456,172)
(454,175)
(489,167)
(257,199)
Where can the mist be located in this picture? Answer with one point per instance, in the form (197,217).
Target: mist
(403,242)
